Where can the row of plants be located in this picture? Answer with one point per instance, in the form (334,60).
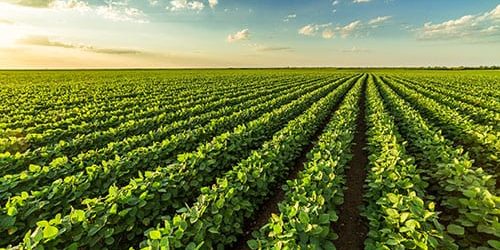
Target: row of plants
(311,200)
(72,100)
(483,102)
(132,151)
(399,214)
(482,142)
(135,121)
(127,211)
(217,218)
(470,208)
(70,96)
(122,144)
(97,111)
(477,114)
(481,85)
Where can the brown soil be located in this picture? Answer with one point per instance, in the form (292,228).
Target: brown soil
(351,226)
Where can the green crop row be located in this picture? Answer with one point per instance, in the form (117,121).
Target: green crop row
(311,200)
(217,217)
(471,209)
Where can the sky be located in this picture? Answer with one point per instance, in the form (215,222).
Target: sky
(256,33)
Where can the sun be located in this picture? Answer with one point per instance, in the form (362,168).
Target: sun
(10,35)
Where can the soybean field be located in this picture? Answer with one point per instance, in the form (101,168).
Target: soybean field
(250,159)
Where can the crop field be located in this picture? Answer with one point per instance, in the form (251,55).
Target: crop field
(250,159)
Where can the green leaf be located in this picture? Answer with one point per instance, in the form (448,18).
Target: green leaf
(191,246)
(73,246)
(77,215)
(412,224)
(34,168)
(324,218)
(495,244)
(485,229)
(455,229)
(403,216)
(50,232)
(277,229)
(392,212)
(213,230)
(11,211)
(253,244)
(155,235)
(470,193)
(393,197)
(113,209)
(392,242)
(303,217)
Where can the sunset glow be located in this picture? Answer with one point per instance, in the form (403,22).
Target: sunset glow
(199,33)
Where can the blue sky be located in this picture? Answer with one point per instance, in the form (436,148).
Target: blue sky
(258,33)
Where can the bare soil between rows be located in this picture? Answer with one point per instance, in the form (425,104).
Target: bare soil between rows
(351,226)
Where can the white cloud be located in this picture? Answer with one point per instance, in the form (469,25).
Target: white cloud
(153,2)
(289,17)
(48,42)
(355,49)
(468,26)
(113,10)
(213,3)
(361,1)
(312,29)
(176,5)
(379,20)
(350,28)
(308,30)
(335,2)
(71,4)
(265,48)
(328,33)
(121,13)
(238,36)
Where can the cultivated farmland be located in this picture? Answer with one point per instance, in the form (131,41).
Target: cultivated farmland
(250,159)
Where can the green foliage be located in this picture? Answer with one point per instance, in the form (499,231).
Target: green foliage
(183,159)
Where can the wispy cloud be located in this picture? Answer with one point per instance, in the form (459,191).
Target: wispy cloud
(71,4)
(354,28)
(361,1)
(355,49)
(379,20)
(121,12)
(336,2)
(266,48)
(176,5)
(289,17)
(46,41)
(350,28)
(238,36)
(276,48)
(5,21)
(469,26)
(273,48)
(313,29)
(33,3)
(114,10)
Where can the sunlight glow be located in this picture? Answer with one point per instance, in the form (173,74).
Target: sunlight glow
(10,35)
